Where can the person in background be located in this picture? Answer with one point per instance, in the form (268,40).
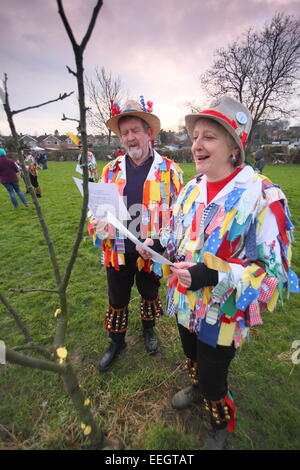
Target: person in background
(43,160)
(259,159)
(230,238)
(9,178)
(149,183)
(31,167)
(92,165)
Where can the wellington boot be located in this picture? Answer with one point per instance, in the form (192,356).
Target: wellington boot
(216,439)
(185,397)
(110,355)
(151,343)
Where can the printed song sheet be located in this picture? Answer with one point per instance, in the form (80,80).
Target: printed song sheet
(104,197)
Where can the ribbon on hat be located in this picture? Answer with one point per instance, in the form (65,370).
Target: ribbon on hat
(243,138)
(232,123)
(114,108)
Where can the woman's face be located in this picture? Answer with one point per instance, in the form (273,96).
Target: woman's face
(212,150)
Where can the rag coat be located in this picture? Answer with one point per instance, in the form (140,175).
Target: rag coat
(92,166)
(244,233)
(161,187)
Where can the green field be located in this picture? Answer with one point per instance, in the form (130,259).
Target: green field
(132,399)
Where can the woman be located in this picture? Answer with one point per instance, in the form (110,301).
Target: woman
(230,235)
(92,166)
(9,178)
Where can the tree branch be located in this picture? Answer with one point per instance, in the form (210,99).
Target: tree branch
(33,347)
(66,24)
(61,97)
(91,25)
(71,71)
(20,290)
(65,118)
(26,361)
(21,325)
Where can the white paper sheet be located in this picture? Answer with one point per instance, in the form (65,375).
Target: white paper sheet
(155,256)
(79,169)
(104,197)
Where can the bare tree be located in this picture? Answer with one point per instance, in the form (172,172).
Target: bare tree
(103,90)
(261,69)
(56,358)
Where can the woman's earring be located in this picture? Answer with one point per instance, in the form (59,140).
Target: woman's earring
(233,159)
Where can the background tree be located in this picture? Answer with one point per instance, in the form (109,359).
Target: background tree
(261,69)
(102,90)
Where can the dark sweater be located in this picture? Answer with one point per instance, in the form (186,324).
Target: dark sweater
(135,179)
(8,170)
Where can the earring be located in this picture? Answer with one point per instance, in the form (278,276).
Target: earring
(233,159)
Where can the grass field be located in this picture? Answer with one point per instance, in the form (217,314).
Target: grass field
(132,399)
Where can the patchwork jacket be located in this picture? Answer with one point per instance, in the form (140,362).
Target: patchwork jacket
(161,187)
(244,233)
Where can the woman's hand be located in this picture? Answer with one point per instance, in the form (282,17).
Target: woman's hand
(181,271)
(143,253)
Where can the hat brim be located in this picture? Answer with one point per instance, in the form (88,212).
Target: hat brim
(191,119)
(152,120)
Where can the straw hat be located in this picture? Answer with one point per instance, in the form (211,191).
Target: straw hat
(231,114)
(134,109)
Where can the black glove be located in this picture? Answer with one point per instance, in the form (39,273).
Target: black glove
(202,276)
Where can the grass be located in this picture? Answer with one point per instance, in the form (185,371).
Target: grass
(132,399)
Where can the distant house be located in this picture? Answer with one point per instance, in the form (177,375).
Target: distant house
(49,142)
(28,141)
(67,143)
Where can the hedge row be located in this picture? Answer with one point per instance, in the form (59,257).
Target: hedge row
(180,156)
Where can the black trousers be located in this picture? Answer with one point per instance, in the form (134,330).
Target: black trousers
(120,284)
(212,364)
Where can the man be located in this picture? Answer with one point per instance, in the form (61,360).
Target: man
(149,184)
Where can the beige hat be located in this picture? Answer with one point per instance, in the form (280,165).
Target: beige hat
(134,109)
(231,114)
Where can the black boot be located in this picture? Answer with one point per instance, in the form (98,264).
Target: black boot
(216,439)
(110,355)
(151,343)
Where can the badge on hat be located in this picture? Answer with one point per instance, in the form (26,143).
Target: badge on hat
(241,118)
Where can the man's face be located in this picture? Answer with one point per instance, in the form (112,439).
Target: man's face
(135,138)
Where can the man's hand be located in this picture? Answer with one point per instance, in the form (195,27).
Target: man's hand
(143,253)
(100,226)
(181,271)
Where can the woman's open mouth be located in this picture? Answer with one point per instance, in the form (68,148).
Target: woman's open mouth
(202,157)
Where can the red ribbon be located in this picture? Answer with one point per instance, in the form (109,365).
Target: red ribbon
(230,404)
(232,123)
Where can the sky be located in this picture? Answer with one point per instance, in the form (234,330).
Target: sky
(159,48)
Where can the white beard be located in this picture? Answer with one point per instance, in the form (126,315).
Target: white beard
(135,154)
